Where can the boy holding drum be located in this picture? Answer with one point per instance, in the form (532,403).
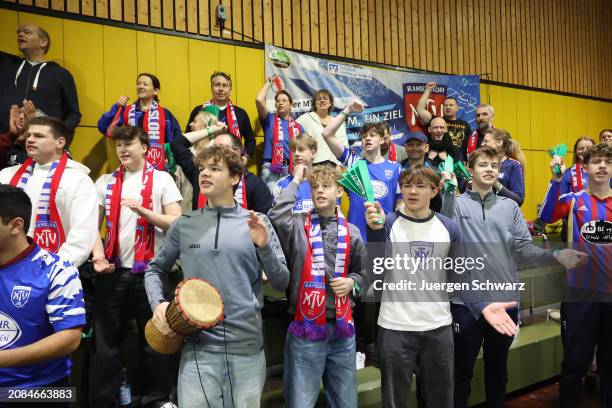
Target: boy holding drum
(229,247)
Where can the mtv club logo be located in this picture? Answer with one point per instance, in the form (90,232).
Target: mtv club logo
(155,156)
(313,300)
(20,295)
(47,237)
(412,94)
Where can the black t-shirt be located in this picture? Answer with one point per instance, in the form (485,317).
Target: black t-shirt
(458,130)
(244,124)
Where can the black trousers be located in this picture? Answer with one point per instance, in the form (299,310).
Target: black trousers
(583,326)
(470,335)
(119,297)
(429,353)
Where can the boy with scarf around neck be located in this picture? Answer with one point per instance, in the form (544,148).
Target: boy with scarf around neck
(64,208)
(327,258)
(139,203)
(230,247)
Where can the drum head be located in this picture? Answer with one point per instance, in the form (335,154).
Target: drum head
(200,303)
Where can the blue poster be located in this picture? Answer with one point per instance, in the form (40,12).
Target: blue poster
(387,95)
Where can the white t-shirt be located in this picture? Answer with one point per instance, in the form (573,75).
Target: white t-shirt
(312,125)
(76,204)
(164,192)
(409,310)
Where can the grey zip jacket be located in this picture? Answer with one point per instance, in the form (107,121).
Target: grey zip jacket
(290,229)
(493,228)
(214,244)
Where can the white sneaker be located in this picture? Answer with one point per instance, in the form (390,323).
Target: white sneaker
(360,360)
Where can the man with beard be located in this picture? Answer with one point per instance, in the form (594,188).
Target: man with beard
(484,122)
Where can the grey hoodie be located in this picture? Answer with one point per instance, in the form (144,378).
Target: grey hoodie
(494,226)
(214,244)
(290,229)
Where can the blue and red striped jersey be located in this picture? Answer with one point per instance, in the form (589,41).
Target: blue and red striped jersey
(589,231)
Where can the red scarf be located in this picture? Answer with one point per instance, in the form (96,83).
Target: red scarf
(115,121)
(48,229)
(472,143)
(230,117)
(240,195)
(310,320)
(278,146)
(144,244)
(392,152)
(154,123)
(577,184)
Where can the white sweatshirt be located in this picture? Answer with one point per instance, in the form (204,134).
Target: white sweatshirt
(76,202)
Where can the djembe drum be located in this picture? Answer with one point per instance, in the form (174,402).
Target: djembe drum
(197,305)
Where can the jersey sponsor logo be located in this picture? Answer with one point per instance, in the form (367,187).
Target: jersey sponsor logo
(20,295)
(303,205)
(583,208)
(10,331)
(380,189)
(597,232)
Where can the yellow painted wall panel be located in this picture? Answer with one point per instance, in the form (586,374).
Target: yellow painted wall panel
(577,112)
(83,56)
(54,26)
(510,118)
(227,63)
(173,73)
(556,131)
(120,68)
(203,61)
(9,21)
(540,178)
(528,205)
(523,131)
(249,79)
(145,44)
(88,148)
(536,117)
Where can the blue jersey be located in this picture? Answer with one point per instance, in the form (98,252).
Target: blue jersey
(385,183)
(40,294)
(268,127)
(511,176)
(589,231)
(303,199)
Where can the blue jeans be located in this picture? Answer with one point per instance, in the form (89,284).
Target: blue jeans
(306,362)
(217,380)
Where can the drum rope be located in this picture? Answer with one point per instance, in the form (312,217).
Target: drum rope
(200,375)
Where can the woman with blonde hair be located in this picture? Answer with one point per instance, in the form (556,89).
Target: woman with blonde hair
(511,177)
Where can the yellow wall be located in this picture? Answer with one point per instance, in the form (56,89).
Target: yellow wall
(105,61)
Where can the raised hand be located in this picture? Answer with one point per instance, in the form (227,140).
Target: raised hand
(430,85)
(355,106)
(257,230)
(123,100)
(557,161)
(375,215)
(300,173)
(16,120)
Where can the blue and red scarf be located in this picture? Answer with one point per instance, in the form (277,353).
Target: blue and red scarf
(48,229)
(154,123)
(310,320)
(144,243)
(230,118)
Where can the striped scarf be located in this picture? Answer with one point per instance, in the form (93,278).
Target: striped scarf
(310,320)
(154,123)
(144,244)
(48,229)
(230,118)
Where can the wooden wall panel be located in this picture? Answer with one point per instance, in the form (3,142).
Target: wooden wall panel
(559,45)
